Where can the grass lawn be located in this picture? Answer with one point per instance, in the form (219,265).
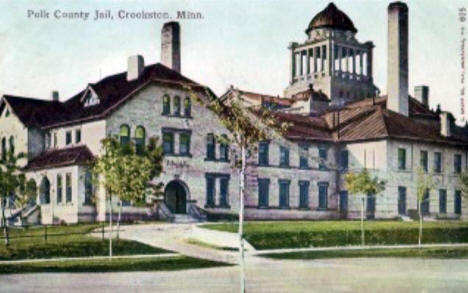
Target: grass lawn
(208,245)
(116,265)
(292,234)
(66,241)
(446,252)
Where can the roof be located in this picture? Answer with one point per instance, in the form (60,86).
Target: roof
(61,157)
(331,17)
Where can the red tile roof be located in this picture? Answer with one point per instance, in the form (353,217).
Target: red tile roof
(61,157)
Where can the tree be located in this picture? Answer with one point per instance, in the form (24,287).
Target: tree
(362,184)
(463,182)
(126,172)
(27,193)
(247,128)
(11,182)
(424,185)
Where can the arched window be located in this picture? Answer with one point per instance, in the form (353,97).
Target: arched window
(45,191)
(12,144)
(187,107)
(4,151)
(124,134)
(166,105)
(224,149)
(140,139)
(177,106)
(88,185)
(210,146)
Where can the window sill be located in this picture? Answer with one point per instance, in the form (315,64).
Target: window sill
(216,160)
(178,155)
(323,209)
(304,208)
(177,116)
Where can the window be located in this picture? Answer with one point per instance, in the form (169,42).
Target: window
(344,160)
(166,105)
(88,185)
(423,160)
(12,144)
(283,193)
(140,139)
(437,162)
(370,207)
(210,147)
(124,134)
(59,189)
(184,144)
(168,143)
(323,154)
(323,195)
(401,200)
(442,201)
(224,149)
(223,192)
(401,159)
(425,203)
(263,153)
(78,136)
(303,157)
(458,202)
(344,201)
(177,106)
(4,149)
(210,191)
(303,194)
(187,107)
(263,192)
(45,191)
(457,163)
(68,138)
(48,140)
(284,156)
(55,139)
(68,185)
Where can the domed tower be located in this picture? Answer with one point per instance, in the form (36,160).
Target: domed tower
(332,60)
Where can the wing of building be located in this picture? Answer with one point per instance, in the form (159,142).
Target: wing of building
(339,123)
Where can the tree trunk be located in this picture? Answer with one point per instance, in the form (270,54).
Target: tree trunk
(5,227)
(420,223)
(363,240)
(118,218)
(241,221)
(110,227)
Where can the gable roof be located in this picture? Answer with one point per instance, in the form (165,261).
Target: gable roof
(61,157)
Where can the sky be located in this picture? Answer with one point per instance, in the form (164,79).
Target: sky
(241,43)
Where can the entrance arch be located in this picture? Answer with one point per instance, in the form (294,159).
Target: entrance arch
(175,197)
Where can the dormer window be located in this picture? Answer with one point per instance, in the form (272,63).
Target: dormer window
(90,98)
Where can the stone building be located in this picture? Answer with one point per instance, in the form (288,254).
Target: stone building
(339,122)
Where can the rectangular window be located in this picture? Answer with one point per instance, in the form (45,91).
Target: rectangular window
(303,157)
(59,189)
(437,162)
(458,202)
(442,201)
(184,144)
(210,147)
(55,139)
(423,160)
(68,183)
(223,192)
(303,194)
(323,155)
(49,140)
(210,191)
(323,195)
(224,152)
(343,201)
(401,200)
(263,150)
(263,193)
(284,156)
(370,207)
(68,138)
(283,194)
(78,136)
(344,160)
(401,159)
(457,163)
(168,143)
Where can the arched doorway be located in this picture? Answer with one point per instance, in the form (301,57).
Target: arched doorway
(175,197)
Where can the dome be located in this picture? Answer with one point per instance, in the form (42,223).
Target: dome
(331,17)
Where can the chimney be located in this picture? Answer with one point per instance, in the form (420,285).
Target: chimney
(397,69)
(136,64)
(421,93)
(445,124)
(54,96)
(170,45)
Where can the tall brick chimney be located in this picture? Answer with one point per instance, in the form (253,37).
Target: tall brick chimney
(136,64)
(397,69)
(170,45)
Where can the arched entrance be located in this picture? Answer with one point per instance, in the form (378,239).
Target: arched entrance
(175,197)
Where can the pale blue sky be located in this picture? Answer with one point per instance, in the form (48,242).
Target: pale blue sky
(241,42)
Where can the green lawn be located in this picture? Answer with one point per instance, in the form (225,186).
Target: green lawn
(66,241)
(446,252)
(292,234)
(116,265)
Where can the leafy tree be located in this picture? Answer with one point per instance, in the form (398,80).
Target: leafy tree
(126,173)
(11,182)
(463,182)
(27,193)
(424,185)
(361,184)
